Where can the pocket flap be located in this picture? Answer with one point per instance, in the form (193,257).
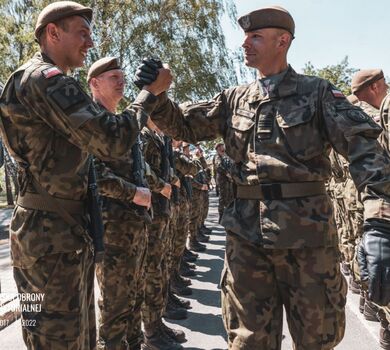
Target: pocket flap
(296,116)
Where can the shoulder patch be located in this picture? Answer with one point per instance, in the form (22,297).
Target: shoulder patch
(51,72)
(67,96)
(337,93)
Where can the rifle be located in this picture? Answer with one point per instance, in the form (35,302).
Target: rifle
(139,171)
(175,190)
(95,227)
(165,172)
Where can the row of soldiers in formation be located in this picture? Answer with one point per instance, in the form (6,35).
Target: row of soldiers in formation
(369,91)
(281,243)
(145,255)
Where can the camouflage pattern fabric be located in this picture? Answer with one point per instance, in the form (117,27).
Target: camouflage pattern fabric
(285,137)
(155,271)
(51,126)
(196,210)
(282,138)
(67,320)
(384,122)
(184,166)
(118,277)
(225,187)
(257,282)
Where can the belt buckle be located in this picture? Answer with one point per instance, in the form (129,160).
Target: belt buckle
(271,191)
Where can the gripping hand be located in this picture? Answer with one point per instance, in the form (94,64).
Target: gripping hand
(147,72)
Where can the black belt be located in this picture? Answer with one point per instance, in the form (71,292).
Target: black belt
(280,190)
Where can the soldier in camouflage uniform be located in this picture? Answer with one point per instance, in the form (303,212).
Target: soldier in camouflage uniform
(50,126)
(199,186)
(124,224)
(282,244)
(155,262)
(184,166)
(222,165)
(370,88)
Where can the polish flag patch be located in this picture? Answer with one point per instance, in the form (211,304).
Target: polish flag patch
(337,94)
(51,72)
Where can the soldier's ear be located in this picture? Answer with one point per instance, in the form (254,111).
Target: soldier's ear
(52,32)
(94,83)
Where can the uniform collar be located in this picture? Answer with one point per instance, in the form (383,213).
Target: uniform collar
(286,87)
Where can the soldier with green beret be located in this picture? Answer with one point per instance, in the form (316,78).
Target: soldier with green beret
(282,245)
(50,126)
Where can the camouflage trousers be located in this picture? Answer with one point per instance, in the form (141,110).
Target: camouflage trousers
(118,277)
(171,236)
(196,212)
(225,196)
(181,233)
(155,271)
(205,207)
(256,283)
(66,320)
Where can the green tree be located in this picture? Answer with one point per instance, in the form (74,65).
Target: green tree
(339,74)
(186,34)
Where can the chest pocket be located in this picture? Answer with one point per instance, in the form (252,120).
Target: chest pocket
(240,129)
(300,131)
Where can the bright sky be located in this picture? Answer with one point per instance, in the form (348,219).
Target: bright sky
(328,30)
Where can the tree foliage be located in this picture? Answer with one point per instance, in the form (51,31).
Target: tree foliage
(339,74)
(186,34)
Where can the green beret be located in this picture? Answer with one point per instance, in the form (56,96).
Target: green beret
(364,78)
(103,65)
(268,17)
(59,10)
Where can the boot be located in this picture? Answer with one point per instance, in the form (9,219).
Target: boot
(185,282)
(384,337)
(362,301)
(354,287)
(188,253)
(188,265)
(205,230)
(179,302)
(174,312)
(188,258)
(196,246)
(176,334)
(370,311)
(384,332)
(186,271)
(345,269)
(156,339)
(201,237)
(180,290)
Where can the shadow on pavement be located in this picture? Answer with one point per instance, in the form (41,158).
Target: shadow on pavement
(209,324)
(206,297)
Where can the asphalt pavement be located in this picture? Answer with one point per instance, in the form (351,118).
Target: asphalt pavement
(204,327)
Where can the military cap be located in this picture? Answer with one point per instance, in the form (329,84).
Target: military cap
(59,10)
(364,78)
(103,65)
(268,17)
(219,144)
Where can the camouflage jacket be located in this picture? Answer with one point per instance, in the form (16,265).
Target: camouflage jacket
(152,147)
(384,139)
(184,166)
(222,168)
(117,187)
(286,137)
(52,126)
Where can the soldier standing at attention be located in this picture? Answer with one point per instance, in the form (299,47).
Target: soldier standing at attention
(125,234)
(222,169)
(282,244)
(50,126)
